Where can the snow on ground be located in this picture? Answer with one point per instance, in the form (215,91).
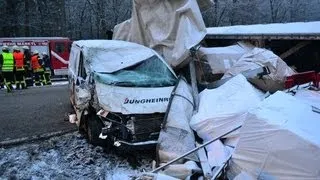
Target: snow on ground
(69,157)
(268,29)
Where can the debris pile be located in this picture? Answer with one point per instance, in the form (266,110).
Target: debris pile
(234,128)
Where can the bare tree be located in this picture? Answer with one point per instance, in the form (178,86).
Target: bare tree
(84,19)
(279,10)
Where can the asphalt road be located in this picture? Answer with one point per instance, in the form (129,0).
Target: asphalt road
(35,111)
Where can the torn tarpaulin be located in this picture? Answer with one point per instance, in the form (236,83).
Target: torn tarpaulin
(176,137)
(171,28)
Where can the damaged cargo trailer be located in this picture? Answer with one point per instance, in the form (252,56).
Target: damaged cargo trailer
(296,43)
(120,91)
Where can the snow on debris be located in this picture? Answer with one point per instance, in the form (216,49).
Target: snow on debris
(297,28)
(69,157)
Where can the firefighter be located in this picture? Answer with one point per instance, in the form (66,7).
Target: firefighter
(1,77)
(20,68)
(7,67)
(37,69)
(47,68)
(28,68)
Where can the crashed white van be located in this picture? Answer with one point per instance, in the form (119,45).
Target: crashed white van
(120,91)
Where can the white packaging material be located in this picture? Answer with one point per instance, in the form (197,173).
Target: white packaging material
(177,138)
(224,109)
(258,58)
(217,153)
(72,118)
(169,27)
(309,97)
(280,139)
(222,59)
(181,171)
(243,176)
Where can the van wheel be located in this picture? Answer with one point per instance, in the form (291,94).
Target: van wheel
(94,126)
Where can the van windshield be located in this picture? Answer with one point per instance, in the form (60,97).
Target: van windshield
(149,73)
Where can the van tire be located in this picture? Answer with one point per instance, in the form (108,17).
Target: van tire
(94,126)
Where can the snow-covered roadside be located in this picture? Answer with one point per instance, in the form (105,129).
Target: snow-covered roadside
(68,157)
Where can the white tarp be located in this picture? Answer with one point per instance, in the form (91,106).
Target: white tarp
(309,97)
(133,100)
(176,128)
(222,110)
(182,171)
(296,28)
(280,139)
(169,27)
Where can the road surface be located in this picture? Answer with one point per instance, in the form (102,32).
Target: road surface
(35,111)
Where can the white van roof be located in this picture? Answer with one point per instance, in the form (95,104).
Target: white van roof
(112,55)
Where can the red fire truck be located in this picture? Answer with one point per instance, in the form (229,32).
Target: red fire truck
(58,49)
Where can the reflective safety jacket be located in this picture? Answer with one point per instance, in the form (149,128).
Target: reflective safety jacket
(35,62)
(19,59)
(8,62)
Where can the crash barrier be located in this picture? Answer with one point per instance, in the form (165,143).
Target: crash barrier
(302,78)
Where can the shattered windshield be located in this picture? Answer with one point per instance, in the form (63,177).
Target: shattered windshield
(149,73)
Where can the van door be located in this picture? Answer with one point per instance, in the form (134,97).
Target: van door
(73,71)
(81,89)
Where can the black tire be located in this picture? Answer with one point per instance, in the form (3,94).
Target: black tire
(94,126)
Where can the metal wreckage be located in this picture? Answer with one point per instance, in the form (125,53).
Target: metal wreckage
(126,94)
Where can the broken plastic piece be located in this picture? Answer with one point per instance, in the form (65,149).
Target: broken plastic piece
(72,118)
(103,113)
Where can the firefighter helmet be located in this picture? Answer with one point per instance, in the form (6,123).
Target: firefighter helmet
(5,48)
(25,47)
(35,52)
(15,48)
